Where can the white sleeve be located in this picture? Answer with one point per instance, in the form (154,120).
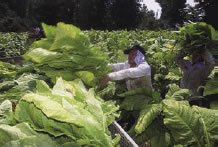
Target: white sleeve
(117,66)
(136,72)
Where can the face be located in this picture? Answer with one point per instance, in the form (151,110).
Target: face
(131,56)
(196,57)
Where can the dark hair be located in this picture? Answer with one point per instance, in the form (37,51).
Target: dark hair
(138,47)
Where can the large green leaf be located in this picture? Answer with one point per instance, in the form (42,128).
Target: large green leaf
(58,119)
(87,77)
(172,76)
(159,140)
(184,124)
(53,73)
(210,122)
(22,135)
(177,93)
(135,102)
(25,83)
(152,131)
(110,111)
(211,87)
(59,114)
(50,31)
(146,116)
(40,55)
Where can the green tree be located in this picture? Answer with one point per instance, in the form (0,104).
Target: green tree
(173,11)
(90,14)
(148,20)
(210,8)
(11,19)
(194,14)
(125,14)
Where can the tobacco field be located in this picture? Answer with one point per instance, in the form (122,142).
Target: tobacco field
(52,98)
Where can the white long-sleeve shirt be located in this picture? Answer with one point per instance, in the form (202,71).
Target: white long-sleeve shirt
(136,77)
(194,75)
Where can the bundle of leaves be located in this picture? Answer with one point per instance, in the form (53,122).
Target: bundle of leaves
(15,81)
(68,112)
(66,52)
(7,71)
(196,37)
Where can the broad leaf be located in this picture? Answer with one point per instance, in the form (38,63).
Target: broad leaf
(184,124)
(22,135)
(210,122)
(177,93)
(146,116)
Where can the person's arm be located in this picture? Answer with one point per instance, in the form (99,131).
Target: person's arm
(117,66)
(209,62)
(141,70)
(179,59)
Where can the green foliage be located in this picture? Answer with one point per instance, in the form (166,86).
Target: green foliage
(135,102)
(172,11)
(209,123)
(209,9)
(177,93)
(143,91)
(13,44)
(211,86)
(67,52)
(159,46)
(7,71)
(15,88)
(58,113)
(6,113)
(23,135)
(62,53)
(108,92)
(10,20)
(187,126)
(196,37)
(147,115)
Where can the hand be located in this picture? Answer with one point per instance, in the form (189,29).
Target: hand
(104,81)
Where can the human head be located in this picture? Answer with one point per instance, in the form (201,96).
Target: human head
(133,52)
(131,56)
(197,57)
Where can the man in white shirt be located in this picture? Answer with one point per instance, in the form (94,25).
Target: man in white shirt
(136,71)
(195,72)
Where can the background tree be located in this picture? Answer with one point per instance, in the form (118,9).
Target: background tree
(194,14)
(11,19)
(90,14)
(172,11)
(24,15)
(126,14)
(210,8)
(148,20)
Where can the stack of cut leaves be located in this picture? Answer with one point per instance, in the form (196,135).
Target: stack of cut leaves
(16,81)
(66,52)
(196,37)
(7,71)
(67,115)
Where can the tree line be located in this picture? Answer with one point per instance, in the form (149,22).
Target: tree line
(24,15)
